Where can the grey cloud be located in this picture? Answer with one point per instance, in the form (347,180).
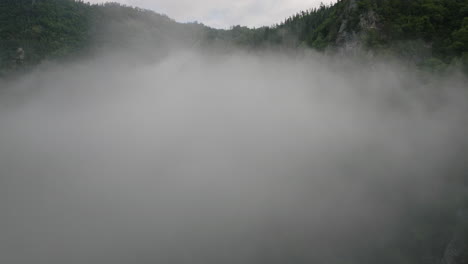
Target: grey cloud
(223,159)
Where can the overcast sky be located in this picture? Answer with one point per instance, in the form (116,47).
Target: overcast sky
(225,13)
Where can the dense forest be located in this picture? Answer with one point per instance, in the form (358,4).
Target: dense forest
(429,33)
(32,31)
(433,33)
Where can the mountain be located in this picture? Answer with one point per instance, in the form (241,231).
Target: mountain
(33,31)
(432,34)
(429,33)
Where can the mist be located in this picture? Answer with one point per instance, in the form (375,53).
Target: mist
(226,158)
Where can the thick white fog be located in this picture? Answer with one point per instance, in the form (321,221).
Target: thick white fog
(236,158)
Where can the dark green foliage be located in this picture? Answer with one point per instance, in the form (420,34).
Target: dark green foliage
(431,33)
(316,27)
(32,31)
(439,23)
(438,27)
(43,29)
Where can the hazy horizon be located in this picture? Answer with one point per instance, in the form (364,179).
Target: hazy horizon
(225,14)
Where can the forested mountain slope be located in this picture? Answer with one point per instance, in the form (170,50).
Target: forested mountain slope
(31,31)
(425,30)
(430,33)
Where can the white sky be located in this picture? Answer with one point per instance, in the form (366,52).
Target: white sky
(225,13)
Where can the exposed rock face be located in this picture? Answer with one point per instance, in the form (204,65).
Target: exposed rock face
(19,58)
(351,40)
(344,35)
(20,54)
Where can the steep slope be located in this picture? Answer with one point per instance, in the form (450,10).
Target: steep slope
(31,31)
(431,33)
(34,31)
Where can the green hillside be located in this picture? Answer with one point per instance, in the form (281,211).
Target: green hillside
(33,31)
(42,29)
(432,33)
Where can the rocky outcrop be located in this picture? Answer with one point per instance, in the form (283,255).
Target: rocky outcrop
(351,37)
(19,58)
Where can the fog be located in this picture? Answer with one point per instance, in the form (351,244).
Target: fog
(227,158)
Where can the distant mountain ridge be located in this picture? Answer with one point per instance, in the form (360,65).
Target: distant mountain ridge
(430,33)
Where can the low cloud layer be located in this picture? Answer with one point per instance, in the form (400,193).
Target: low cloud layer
(223,159)
(224,13)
